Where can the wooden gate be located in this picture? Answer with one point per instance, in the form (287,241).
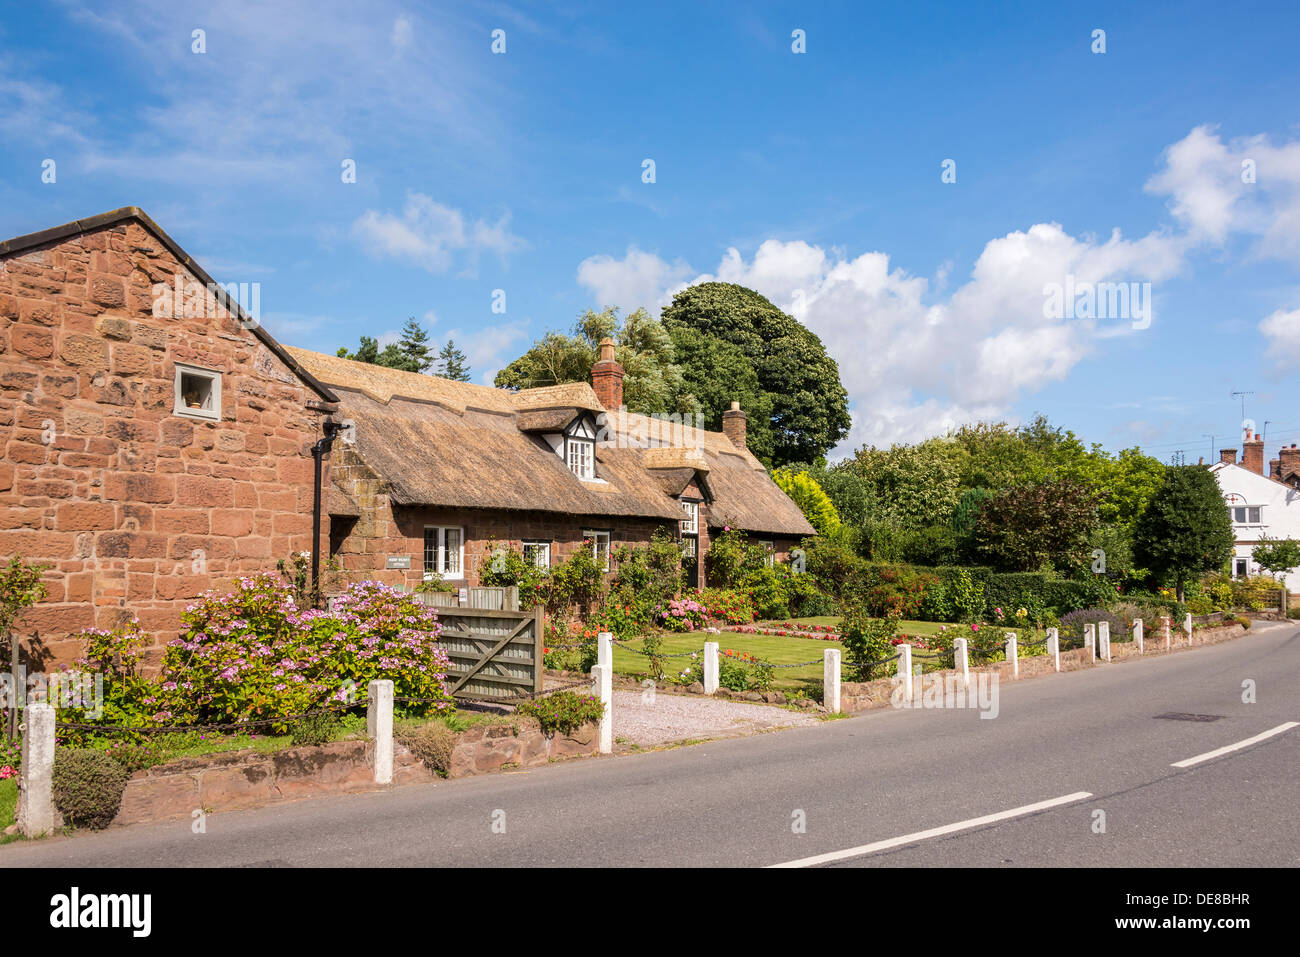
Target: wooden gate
(494,654)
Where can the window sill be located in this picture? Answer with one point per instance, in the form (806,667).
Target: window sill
(198,414)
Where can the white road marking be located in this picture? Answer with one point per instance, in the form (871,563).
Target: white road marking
(1286,726)
(935,831)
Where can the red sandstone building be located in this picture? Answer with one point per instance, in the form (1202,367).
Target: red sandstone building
(157,443)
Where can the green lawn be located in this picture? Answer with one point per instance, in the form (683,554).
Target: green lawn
(780,651)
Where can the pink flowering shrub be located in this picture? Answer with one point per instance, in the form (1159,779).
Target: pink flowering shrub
(681,614)
(253,654)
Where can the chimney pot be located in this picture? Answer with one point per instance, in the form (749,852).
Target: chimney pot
(1252,453)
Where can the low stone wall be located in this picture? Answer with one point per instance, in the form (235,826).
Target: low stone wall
(239,780)
(865,695)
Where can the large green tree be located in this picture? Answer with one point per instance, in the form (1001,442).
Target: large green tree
(716,373)
(1036,527)
(810,413)
(1185,529)
(411,352)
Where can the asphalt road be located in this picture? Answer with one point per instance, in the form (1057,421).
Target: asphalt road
(857,783)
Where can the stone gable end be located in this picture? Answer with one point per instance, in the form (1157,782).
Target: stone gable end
(137,509)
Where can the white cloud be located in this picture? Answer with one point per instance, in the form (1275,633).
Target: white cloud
(1282,330)
(428,234)
(638,279)
(1247,185)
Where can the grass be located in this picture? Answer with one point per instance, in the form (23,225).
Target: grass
(8,802)
(805,680)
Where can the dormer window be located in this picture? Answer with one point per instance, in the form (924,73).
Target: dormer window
(691,520)
(581,457)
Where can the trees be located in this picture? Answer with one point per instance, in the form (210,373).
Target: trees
(1032,527)
(411,352)
(812,501)
(1185,529)
(1277,556)
(452,363)
(652,383)
(809,404)
(716,373)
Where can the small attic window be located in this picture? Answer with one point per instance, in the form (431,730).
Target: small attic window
(198,392)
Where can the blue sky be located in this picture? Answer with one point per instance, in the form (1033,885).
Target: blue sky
(812,177)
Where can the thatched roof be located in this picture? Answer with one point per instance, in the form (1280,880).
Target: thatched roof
(452,444)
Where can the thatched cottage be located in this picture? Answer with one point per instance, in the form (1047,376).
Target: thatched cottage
(158,441)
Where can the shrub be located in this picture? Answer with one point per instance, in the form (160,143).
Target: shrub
(648,575)
(432,743)
(296,571)
(1072,624)
(867,640)
(506,567)
(564,711)
(731,559)
(315,729)
(87,787)
(578,581)
(898,593)
(726,605)
(681,614)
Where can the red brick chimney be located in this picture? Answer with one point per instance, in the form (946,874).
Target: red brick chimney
(607,377)
(1275,468)
(1252,453)
(735,424)
(1228,456)
(1288,461)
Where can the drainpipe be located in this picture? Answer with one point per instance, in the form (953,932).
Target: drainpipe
(318,452)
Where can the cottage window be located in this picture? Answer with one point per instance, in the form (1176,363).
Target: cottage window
(769,553)
(581,457)
(444,552)
(197,392)
(1247,514)
(691,523)
(599,545)
(538,554)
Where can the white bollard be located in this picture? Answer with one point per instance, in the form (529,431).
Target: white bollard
(379,727)
(602,686)
(1137,634)
(605,650)
(831,680)
(903,673)
(36,800)
(961,655)
(1090,640)
(710,667)
(1103,639)
(1013,654)
(1187,627)
(1054,646)
(1164,631)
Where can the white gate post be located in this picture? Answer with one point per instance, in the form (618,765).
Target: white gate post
(1103,638)
(1013,655)
(1164,631)
(1090,639)
(379,727)
(710,667)
(602,686)
(36,802)
(605,650)
(962,658)
(1187,627)
(1054,646)
(1137,634)
(903,672)
(830,680)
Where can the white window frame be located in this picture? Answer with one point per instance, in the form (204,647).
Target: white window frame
(770,553)
(691,524)
(1246,511)
(211,409)
(541,549)
(440,569)
(596,534)
(580,456)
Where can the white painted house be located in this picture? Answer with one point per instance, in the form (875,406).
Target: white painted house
(1262,506)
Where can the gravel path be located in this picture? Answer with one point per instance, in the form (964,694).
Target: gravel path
(669,717)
